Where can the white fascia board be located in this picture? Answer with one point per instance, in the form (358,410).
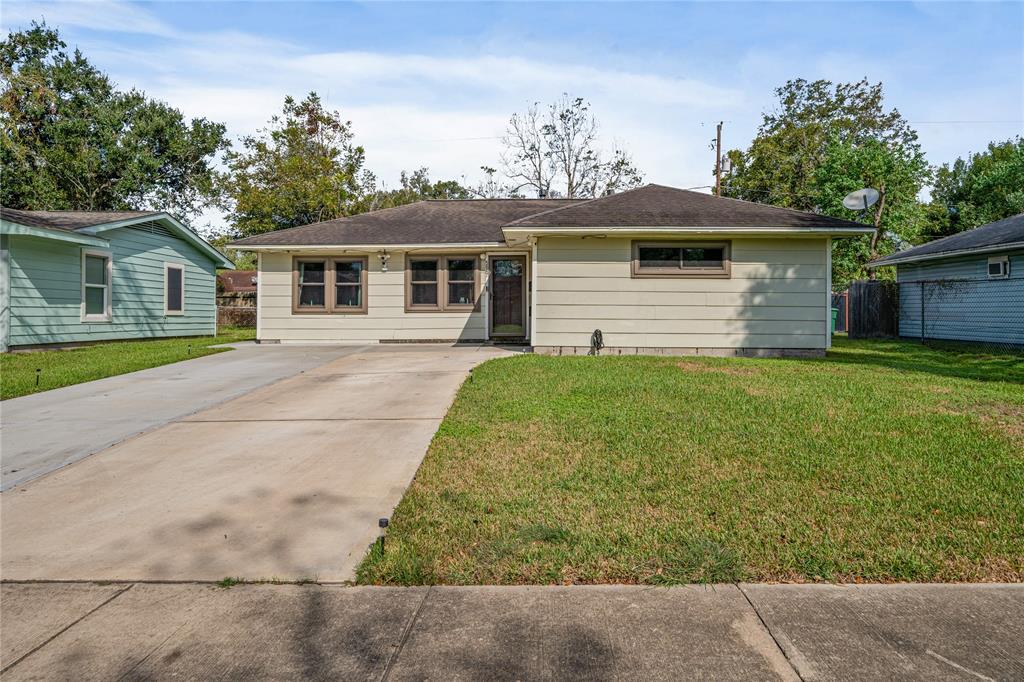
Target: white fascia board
(176,226)
(479,246)
(942,255)
(8,227)
(713,231)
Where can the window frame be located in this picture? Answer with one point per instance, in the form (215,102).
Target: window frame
(443,305)
(724,272)
(108,297)
(362,308)
(330,306)
(167,268)
(1004,262)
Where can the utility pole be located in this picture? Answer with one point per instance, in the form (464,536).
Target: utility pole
(718,160)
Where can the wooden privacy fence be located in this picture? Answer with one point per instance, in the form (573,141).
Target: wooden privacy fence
(874,309)
(236,309)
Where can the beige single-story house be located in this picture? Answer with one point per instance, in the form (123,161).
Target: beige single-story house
(655,269)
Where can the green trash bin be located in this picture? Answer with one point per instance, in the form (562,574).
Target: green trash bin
(835,314)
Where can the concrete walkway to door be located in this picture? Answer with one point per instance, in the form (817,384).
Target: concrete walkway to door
(285,482)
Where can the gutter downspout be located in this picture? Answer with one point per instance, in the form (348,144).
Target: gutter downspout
(532,321)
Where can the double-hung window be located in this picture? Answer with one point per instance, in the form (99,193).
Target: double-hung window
(96,301)
(329,285)
(174,289)
(442,283)
(681,259)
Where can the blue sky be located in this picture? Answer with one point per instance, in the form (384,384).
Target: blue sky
(429,84)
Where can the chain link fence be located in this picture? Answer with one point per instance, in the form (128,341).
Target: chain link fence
(989,311)
(982,311)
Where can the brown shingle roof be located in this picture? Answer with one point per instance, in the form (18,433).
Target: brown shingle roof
(479,221)
(1007,231)
(455,221)
(237,280)
(660,206)
(69,220)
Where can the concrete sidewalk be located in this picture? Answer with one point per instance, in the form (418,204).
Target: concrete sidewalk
(46,431)
(746,632)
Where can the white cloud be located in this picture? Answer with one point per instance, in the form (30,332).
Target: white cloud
(111,15)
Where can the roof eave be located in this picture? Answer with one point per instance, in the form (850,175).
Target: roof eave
(896,259)
(15,228)
(714,230)
(362,247)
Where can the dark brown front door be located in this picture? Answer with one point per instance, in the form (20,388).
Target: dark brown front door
(508,296)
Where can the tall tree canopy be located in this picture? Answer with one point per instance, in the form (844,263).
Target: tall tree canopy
(416,186)
(71,140)
(780,166)
(824,140)
(980,189)
(556,151)
(302,168)
(898,172)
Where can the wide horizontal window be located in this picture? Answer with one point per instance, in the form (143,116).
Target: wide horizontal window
(679,259)
(329,285)
(438,283)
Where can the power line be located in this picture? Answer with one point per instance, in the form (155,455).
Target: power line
(1009,120)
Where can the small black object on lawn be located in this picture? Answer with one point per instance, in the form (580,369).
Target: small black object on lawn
(382,524)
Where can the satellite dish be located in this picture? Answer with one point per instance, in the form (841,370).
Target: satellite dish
(861,199)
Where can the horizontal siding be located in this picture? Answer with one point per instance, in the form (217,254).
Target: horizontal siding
(46,290)
(385,319)
(774,298)
(966,305)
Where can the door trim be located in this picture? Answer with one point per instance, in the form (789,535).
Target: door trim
(524,259)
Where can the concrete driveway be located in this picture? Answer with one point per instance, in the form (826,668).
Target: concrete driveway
(285,482)
(45,431)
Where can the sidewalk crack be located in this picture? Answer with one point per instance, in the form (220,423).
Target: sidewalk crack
(65,628)
(405,636)
(771,634)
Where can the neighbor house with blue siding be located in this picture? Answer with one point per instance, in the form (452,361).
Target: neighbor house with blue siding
(966,287)
(81,276)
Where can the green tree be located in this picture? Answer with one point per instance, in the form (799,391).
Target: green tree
(980,189)
(71,140)
(781,164)
(898,172)
(416,186)
(302,168)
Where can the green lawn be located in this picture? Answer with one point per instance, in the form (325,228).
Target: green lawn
(887,461)
(74,366)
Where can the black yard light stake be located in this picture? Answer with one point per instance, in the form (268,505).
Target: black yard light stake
(190,349)
(38,371)
(383,525)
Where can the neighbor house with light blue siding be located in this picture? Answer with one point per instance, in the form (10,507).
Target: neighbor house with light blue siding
(70,277)
(966,287)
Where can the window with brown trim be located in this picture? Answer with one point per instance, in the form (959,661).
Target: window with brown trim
(439,283)
(681,259)
(329,285)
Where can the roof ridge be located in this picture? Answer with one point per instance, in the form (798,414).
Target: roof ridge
(572,205)
(439,201)
(79,210)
